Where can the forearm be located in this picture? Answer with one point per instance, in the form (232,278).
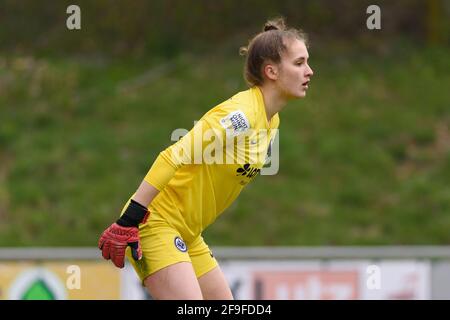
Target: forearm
(145,193)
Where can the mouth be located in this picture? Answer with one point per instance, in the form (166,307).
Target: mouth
(305,84)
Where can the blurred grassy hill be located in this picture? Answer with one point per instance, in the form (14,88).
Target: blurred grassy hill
(365,159)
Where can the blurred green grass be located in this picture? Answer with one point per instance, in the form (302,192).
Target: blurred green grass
(365,159)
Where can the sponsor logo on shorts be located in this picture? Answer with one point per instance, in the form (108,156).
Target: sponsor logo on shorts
(179,243)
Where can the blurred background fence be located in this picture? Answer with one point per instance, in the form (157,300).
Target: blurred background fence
(339,273)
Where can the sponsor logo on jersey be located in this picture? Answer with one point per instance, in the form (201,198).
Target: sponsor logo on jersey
(247,171)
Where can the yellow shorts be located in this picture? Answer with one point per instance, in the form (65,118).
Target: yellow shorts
(162,246)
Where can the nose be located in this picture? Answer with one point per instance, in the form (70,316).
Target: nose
(309,71)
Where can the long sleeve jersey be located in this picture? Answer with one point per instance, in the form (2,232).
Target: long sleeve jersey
(201,175)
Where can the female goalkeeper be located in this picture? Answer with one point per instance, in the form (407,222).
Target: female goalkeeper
(197,178)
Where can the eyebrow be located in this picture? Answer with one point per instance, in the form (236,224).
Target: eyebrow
(301,58)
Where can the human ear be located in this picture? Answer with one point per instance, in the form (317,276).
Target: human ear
(271,71)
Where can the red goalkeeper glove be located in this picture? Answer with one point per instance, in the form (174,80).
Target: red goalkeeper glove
(124,232)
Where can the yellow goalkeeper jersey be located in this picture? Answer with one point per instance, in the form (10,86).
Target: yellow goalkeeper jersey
(201,174)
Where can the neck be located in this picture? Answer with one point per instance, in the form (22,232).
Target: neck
(273,100)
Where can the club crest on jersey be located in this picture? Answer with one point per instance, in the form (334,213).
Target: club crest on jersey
(179,243)
(235,123)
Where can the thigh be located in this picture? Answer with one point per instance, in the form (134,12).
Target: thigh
(212,281)
(175,282)
(214,286)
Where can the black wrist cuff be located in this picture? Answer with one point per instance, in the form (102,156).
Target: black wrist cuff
(133,215)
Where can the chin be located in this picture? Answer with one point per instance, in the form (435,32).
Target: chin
(300,95)
(296,95)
